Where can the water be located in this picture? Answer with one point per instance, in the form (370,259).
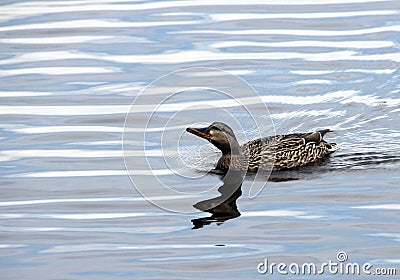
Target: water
(69,72)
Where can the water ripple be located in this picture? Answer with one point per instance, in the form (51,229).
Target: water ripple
(297,32)
(70,70)
(245,16)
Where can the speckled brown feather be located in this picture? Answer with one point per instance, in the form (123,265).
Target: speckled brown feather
(281,151)
(287,151)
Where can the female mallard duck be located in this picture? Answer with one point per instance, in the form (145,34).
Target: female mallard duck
(278,152)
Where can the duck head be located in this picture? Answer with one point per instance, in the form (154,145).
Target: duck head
(220,135)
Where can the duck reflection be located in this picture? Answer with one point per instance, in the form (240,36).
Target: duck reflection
(222,207)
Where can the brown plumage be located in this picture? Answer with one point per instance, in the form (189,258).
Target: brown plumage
(278,152)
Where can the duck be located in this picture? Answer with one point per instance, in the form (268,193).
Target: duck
(279,152)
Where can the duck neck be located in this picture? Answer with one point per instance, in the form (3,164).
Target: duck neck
(233,150)
(229,149)
(229,157)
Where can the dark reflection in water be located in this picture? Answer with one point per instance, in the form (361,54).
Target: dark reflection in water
(222,207)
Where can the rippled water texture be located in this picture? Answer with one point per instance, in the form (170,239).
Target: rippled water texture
(69,72)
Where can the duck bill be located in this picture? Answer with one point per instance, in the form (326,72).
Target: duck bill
(201,132)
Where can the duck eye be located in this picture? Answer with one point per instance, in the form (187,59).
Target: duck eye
(215,128)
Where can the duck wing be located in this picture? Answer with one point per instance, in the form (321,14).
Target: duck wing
(299,139)
(299,149)
(259,153)
(287,151)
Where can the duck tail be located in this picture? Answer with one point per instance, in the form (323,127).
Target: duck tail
(324,131)
(332,147)
(316,136)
